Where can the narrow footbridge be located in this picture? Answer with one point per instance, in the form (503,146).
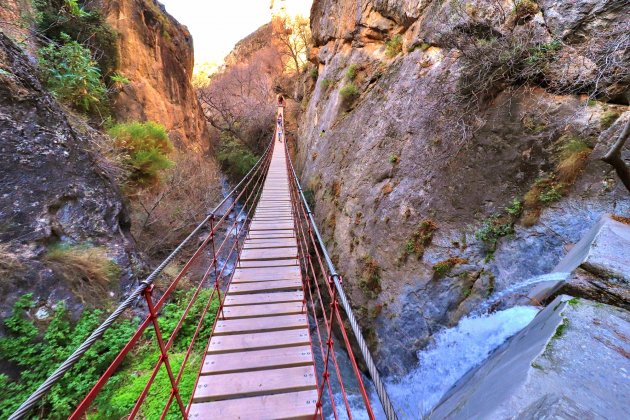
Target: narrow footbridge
(277,319)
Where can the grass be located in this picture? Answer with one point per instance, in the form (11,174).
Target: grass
(561,328)
(86,269)
(421,238)
(574,301)
(146,147)
(444,267)
(574,153)
(351,72)
(393,46)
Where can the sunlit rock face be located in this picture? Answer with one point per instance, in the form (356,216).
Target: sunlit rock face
(405,150)
(156,55)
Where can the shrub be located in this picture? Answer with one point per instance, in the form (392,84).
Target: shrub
(421,238)
(37,355)
(573,157)
(492,229)
(515,208)
(393,46)
(608,118)
(235,158)
(349,92)
(72,76)
(146,146)
(314,73)
(82,22)
(351,72)
(442,268)
(86,269)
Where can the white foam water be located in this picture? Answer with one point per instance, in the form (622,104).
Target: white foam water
(454,352)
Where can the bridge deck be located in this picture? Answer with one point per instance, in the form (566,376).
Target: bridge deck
(259,362)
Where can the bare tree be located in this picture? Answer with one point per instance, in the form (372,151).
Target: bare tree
(614,159)
(293,37)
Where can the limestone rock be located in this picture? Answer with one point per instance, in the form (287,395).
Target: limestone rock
(570,362)
(156,55)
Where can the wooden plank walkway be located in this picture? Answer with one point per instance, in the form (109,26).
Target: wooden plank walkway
(259,363)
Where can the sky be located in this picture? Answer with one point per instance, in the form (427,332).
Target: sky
(216,25)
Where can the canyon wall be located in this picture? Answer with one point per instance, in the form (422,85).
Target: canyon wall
(435,190)
(156,55)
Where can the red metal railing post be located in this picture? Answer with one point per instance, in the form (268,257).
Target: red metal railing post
(163,358)
(214,262)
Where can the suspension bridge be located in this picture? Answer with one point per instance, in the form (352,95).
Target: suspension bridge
(281,307)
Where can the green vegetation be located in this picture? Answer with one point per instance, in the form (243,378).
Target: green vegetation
(86,269)
(561,328)
(314,73)
(351,72)
(146,147)
(235,158)
(72,76)
(37,353)
(421,238)
(515,208)
(394,159)
(84,24)
(574,301)
(369,276)
(537,366)
(494,228)
(393,46)
(349,92)
(444,267)
(326,83)
(608,118)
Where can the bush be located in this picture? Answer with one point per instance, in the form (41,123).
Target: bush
(314,73)
(235,158)
(146,147)
(37,355)
(351,73)
(492,229)
(72,76)
(421,238)
(86,269)
(82,22)
(393,46)
(349,92)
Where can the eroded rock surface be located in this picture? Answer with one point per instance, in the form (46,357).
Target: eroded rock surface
(401,154)
(156,55)
(572,361)
(53,189)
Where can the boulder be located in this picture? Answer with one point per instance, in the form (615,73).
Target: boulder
(571,361)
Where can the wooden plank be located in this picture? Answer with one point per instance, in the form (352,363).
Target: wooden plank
(249,384)
(261,324)
(263,298)
(264,274)
(267,263)
(295,406)
(271,226)
(258,341)
(265,286)
(270,243)
(268,254)
(270,234)
(257,311)
(257,360)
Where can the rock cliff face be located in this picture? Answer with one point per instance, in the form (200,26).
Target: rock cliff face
(52,187)
(406,172)
(156,55)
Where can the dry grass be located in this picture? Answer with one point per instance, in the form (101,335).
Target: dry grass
(573,157)
(444,267)
(370,276)
(421,238)
(621,219)
(87,270)
(387,188)
(164,215)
